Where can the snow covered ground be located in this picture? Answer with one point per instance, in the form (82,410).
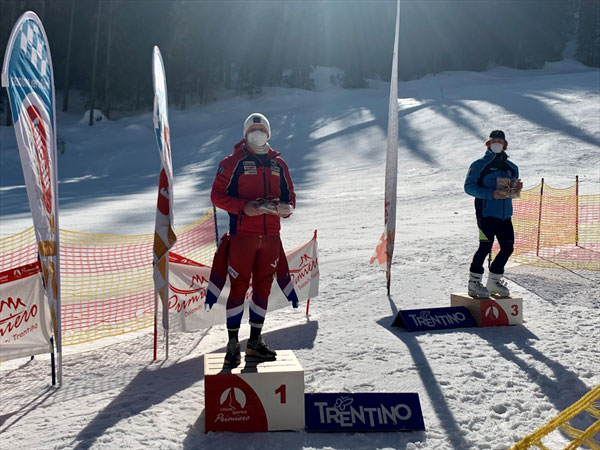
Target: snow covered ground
(480,388)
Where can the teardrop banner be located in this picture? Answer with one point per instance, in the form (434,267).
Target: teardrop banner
(28,77)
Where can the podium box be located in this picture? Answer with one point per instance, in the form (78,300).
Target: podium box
(255,396)
(491,312)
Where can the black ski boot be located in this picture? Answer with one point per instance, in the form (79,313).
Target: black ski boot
(232,357)
(260,349)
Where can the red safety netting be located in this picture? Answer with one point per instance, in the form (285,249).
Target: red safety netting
(106,280)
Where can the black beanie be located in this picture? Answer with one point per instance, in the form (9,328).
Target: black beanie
(497,134)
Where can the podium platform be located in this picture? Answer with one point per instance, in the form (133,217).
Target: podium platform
(491,312)
(255,396)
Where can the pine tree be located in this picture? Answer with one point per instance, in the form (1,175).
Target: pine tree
(588,36)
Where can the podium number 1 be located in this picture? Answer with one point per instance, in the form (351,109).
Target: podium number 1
(281,391)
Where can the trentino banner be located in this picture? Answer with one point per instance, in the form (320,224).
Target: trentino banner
(164,235)
(27,74)
(385,249)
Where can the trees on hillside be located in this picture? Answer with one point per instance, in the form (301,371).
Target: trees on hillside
(209,46)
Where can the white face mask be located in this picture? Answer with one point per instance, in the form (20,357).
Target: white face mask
(497,147)
(257,138)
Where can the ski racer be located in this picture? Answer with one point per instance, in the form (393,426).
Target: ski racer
(253,184)
(487,182)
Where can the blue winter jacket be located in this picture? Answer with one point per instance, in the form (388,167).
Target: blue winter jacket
(481,184)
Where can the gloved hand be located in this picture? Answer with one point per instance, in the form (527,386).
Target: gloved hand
(210,301)
(253,208)
(275,207)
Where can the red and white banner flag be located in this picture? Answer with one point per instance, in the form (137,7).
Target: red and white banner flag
(303,263)
(25,322)
(188,282)
(385,249)
(27,74)
(164,235)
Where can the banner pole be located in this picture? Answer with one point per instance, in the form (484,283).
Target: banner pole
(537,252)
(576,210)
(155,324)
(216,228)
(52,364)
(308,299)
(166,306)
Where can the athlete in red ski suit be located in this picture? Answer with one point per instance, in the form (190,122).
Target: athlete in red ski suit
(254,171)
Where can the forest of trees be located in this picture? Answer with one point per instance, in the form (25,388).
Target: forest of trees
(105,46)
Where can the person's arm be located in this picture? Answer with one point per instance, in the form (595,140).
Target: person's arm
(219,196)
(288,195)
(474,189)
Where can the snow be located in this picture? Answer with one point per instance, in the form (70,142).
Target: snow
(480,388)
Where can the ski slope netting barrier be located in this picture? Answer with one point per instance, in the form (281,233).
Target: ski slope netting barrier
(556,228)
(106,280)
(589,407)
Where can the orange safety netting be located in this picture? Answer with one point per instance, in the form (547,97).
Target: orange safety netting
(106,280)
(556,228)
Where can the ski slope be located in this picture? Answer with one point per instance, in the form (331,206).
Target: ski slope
(479,388)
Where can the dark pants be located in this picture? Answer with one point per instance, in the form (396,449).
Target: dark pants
(490,227)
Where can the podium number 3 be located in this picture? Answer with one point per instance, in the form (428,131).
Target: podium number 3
(281,391)
(515,310)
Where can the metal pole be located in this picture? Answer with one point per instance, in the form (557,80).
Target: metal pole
(155,324)
(577,210)
(216,229)
(537,252)
(52,364)
(166,306)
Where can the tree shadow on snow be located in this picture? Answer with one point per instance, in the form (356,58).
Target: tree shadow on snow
(562,390)
(443,411)
(152,386)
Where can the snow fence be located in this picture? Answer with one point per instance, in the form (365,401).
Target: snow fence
(588,404)
(556,228)
(106,280)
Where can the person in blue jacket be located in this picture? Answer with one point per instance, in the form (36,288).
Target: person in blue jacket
(493,208)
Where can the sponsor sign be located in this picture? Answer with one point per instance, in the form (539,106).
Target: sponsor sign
(363,412)
(434,318)
(385,248)
(303,263)
(28,76)
(188,282)
(25,323)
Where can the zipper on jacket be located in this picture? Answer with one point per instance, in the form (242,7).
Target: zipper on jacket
(265,188)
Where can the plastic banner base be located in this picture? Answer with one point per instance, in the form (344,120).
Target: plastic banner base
(491,312)
(255,396)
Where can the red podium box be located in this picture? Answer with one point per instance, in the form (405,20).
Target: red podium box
(255,396)
(491,312)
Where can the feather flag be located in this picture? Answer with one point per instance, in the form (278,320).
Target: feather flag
(385,249)
(164,235)
(28,76)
